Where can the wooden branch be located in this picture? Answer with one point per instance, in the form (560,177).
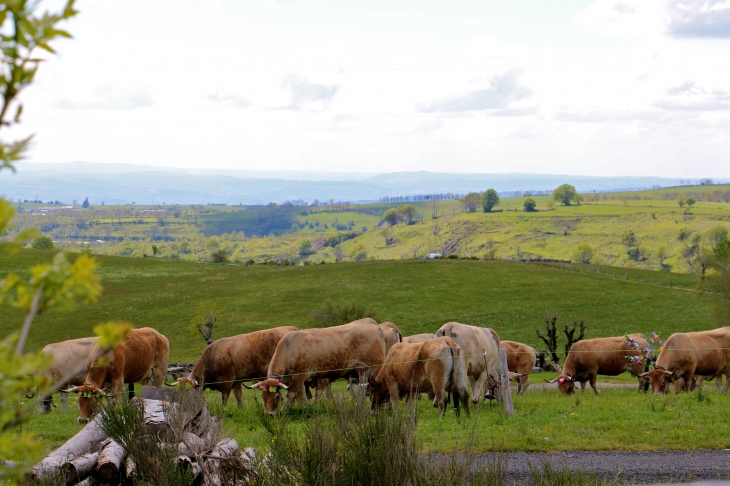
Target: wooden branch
(110,463)
(80,468)
(85,441)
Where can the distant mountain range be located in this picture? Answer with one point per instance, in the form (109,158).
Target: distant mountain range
(127,183)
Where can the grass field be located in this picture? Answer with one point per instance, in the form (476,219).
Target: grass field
(419,296)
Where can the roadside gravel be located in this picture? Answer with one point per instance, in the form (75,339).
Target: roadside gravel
(626,467)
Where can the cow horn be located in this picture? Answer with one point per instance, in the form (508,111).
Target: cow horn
(670,373)
(550,381)
(172,384)
(283,386)
(644,375)
(252,386)
(74,389)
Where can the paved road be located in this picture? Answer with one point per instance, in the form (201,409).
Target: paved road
(630,467)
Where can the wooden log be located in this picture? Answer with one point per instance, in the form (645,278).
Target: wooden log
(85,441)
(90,481)
(224,449)
(110,462)
(191,444)
(130,469)
(80,468)
(505,389)
(186,463)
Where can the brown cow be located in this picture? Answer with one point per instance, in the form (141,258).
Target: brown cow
(600,356)
(419,338)
(68,357)
(481,354)
(328,353)
(226,362)
(435,366)
(521,360)
(391,335)
(141,357)
(687,354)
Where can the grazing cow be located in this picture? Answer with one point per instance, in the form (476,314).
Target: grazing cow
(141,357)
(521,360)
(391,335)
(600,356)
(481,353)
(435,366)
(419,338)
(226,362)
(687,354)
(68,357)
(322,354)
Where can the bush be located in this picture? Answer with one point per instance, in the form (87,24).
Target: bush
(583,253)
(219,256)
(337,313)
(530,205)
(42,243)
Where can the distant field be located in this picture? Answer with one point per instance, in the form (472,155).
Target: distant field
(419,296)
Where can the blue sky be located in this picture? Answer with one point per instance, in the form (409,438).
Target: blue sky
(607,87)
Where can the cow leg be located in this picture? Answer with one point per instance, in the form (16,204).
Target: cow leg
(582,386)
(724,388)
(64,397)
(524,383)
(478,386)
(238,393)
(130,388)
(593,384)
(394,393)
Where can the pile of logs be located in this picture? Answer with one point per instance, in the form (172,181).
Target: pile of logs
(90,457)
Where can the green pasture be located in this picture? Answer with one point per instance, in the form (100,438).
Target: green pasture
(544,421)
(419,296)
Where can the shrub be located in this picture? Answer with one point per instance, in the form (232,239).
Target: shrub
(219,256)
(489,200)
(583,253)
(358,253)
(42,243)
(336,313)
(530,205)
(684,233)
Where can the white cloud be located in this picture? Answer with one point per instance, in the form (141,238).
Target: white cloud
(698,18)
(304,92)
(109,98)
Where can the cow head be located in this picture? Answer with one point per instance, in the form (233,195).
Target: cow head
(185,383)
(90,401)
(660,379)
(271,392)
(566,384)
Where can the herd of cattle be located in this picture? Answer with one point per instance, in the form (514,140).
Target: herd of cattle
(376,360)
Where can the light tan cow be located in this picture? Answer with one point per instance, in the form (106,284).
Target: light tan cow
(391,335)
(419,338)
(68,358)
(600,356)
(435,366)
(321,354)
(687,354)
(141,357)
(521,360)
(481,354)
(226,362)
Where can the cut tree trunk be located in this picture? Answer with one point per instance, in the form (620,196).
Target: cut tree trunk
(85,441)
(80,468)
(130,469)
(110,463)
(225,449)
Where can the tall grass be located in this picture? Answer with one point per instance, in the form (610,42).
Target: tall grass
(350,445)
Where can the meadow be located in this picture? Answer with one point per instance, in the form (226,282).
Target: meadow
(419,296)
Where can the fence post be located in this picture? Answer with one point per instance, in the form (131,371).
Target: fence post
(505,389)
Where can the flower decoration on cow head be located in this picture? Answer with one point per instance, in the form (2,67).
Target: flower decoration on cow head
(271,392)
(645,356)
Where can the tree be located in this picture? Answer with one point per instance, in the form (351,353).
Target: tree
(407,212)
(489,200)
(85,204)
(205,320)
(530,205)
(583,253)
(716,235)
(155,250)
(690,202)
(551,338)
(629,239)
(433,206)
(566,194)
(661,254)
(305,248)
(470,202)
(357,252)
(680,202)
(391,217)
(219,256)
(42,243)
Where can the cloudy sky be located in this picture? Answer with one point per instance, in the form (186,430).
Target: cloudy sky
(607,87)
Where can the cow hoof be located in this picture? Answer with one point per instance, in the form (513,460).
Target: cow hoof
(82,421)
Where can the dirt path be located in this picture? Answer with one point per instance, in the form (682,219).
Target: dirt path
(627,467)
